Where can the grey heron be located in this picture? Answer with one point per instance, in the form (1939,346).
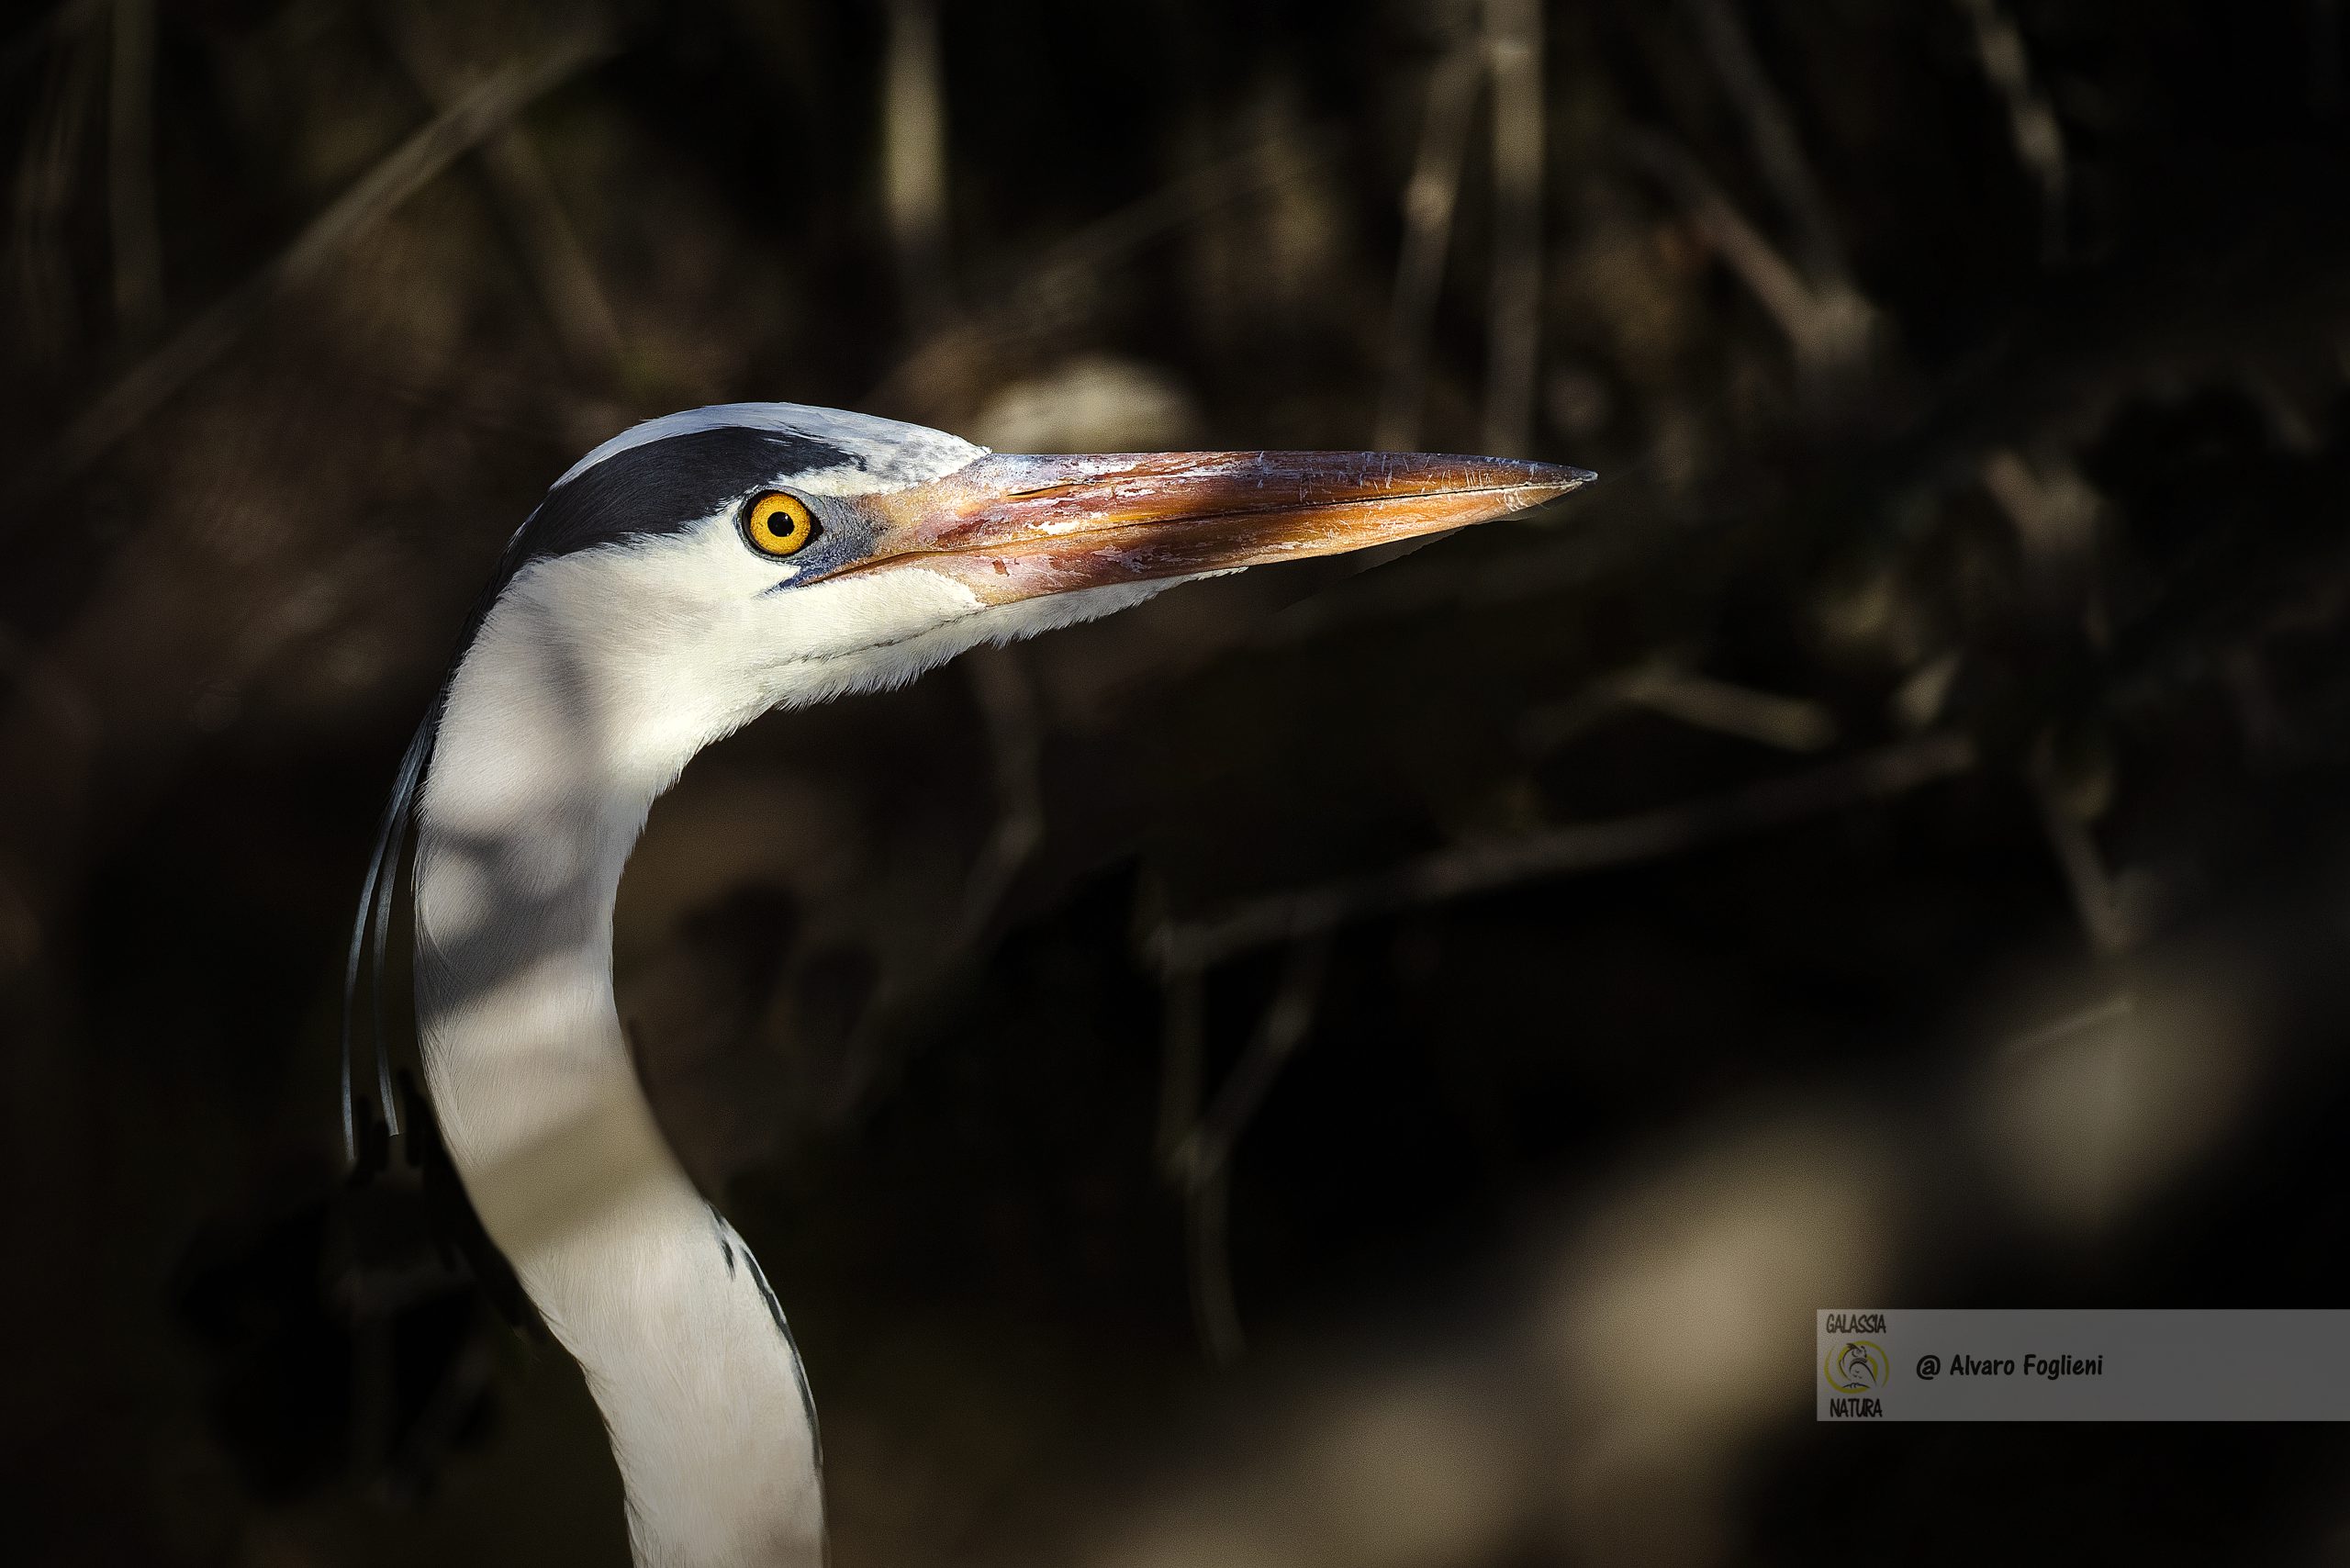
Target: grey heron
(680,580)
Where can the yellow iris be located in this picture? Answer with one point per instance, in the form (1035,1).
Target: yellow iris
(777,524)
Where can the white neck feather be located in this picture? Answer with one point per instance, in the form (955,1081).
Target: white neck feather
(593,681)
(524,827)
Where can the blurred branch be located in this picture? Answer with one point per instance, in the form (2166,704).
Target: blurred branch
(1917,703)
(2112,918)
(2092,886)
(1206,1150)
(1207,1206)
(1513,34)
(130,170)
(1201,1161)
(1482,868)
(407,169)
(2112,1009)
(2032,120)
(1180,201)
(1771,133)
(1788,723)
(1034,296)
(1429,202)
(1207,1234)
(2056,514)
(1829,325)
(558,264)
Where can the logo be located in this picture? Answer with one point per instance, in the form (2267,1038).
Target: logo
(1861,1366)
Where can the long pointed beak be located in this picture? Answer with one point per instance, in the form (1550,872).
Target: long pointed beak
(1013,527)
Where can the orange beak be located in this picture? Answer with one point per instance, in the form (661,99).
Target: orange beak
(1012,527)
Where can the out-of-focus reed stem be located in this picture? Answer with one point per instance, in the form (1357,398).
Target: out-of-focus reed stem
(130,170)
(403,171)
(913,159)
(1513,34)
(1429,202)
(1771,136)
(2033,125)
(558,263)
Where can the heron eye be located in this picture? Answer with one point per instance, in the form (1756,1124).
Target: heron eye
(777,524)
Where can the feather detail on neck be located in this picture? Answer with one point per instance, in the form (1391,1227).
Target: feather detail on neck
(525,823)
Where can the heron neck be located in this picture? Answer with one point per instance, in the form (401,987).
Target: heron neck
(521,839)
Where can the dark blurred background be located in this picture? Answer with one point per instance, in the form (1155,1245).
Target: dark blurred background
(1337,1066)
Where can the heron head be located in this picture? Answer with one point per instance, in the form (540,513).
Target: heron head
(702,568)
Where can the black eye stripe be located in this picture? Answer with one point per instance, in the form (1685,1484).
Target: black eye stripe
(668,485)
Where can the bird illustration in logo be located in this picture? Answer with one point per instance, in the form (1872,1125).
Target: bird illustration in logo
(1858,1368)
